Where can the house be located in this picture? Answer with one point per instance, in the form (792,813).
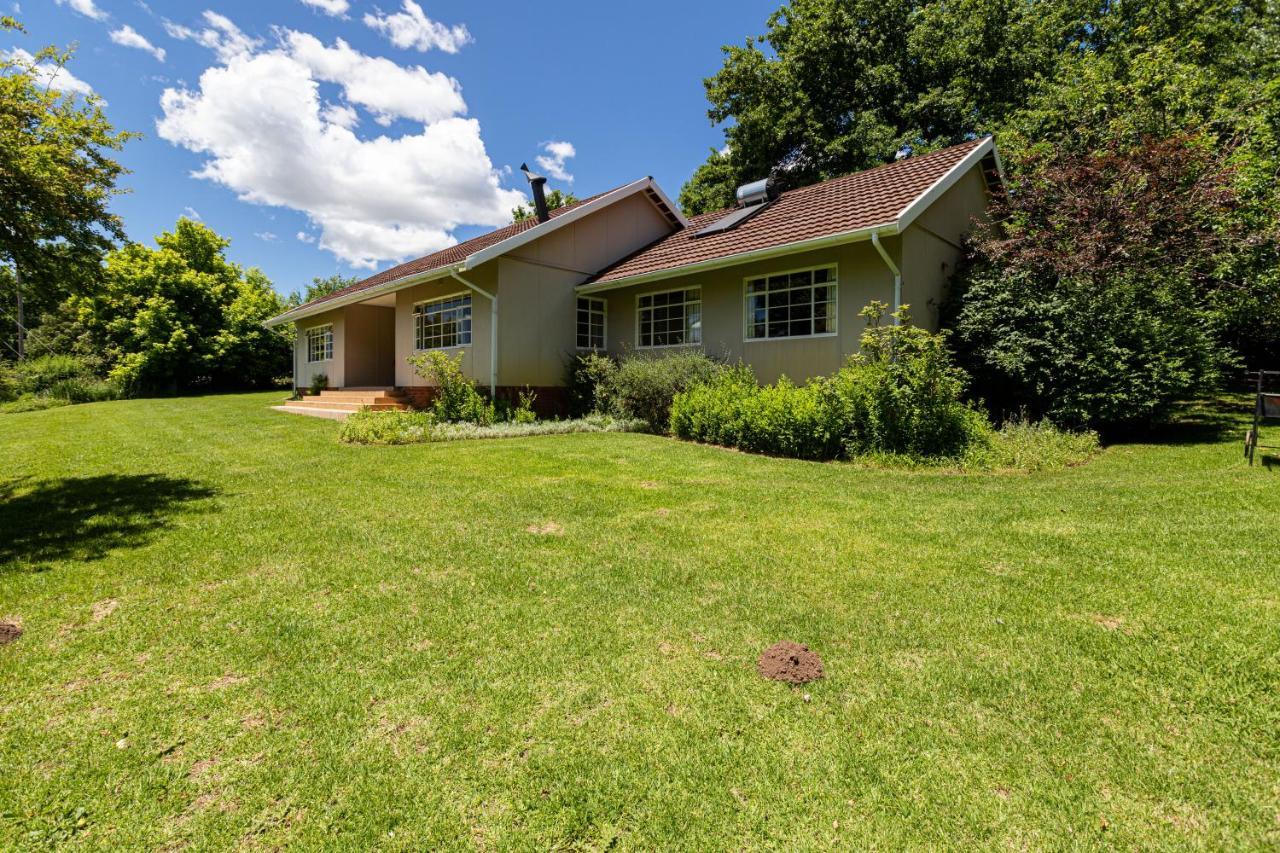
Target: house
(777,281)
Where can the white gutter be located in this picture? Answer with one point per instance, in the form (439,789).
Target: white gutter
(310,310)
(493,332)
(897,275)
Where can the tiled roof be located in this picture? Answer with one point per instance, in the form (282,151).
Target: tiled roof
(450,256)
(861,200)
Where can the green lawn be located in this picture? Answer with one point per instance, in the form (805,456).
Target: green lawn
(239,632)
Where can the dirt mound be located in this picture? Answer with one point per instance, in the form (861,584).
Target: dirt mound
(9,632)
(790,662)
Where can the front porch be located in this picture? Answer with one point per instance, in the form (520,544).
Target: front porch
(338,403)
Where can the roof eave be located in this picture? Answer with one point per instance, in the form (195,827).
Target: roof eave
(313,308)
(887,229)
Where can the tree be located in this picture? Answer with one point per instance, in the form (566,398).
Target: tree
(1089,296)
(56,176)
(555,199)
(180,316)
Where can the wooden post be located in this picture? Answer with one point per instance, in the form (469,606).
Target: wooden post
(22,331)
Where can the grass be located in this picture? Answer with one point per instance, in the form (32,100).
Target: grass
(239,632)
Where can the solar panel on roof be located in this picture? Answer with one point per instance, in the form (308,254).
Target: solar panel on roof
(728,221)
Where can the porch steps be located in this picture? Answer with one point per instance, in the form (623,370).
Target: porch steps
(351,400)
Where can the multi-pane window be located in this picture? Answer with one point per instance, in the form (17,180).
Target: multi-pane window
(320,343)
(441,323)
(670,319)
(792,305)
(591,316)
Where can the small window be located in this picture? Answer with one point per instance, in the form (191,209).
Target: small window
(441,323)
(320,343)
(670,319)
(591,317)
(791,305)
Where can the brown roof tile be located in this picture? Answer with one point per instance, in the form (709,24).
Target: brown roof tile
(861,200)
(450,256)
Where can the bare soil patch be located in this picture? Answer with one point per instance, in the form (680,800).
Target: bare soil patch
(791,662)
(103,609)
(9,632)
(549,528)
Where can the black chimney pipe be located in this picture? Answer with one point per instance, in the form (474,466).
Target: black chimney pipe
(538,184)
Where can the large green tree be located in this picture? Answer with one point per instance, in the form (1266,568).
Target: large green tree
(181,316)
(57,179)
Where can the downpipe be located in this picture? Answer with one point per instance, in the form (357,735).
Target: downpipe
(893,268)
(493,332)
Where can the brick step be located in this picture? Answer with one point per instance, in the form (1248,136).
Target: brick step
(337,392)
(360,397)
(345,405)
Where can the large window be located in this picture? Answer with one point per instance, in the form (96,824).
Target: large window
(792,304)
(320,343)
(670,319)
(440,323)
(591,317)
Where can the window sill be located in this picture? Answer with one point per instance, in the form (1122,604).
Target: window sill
(790,338)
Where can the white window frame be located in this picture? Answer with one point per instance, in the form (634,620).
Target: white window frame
(603,311)
(326,345)
(416,315)
(833,283)
(684,289)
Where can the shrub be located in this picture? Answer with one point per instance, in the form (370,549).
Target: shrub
(524,412)
(32,403)
(80,390)
(899,395)
(1023,445)
(901,392)
(319,382)
(456,396)
(781,419)
(38,375)
(643,386)
(366,427)
(589,381)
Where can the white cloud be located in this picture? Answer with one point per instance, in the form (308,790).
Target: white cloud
(330,7)
(221,36)
(412,28)
(191,213)
(553,161)
(85,7)
(268,136)
(265,236)
(50,76)
(305,237)
(127,36)
(389,91)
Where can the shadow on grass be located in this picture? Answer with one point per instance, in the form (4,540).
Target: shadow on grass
(1209,421)
(85,517)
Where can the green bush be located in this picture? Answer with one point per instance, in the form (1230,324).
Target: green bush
(589,381)
(1023,445)
(524,412)
(32,403)
(643,386)
(457,398)
(319,382)
(781,419)
(80,390)
(38,375)
(367,427)
(900,395)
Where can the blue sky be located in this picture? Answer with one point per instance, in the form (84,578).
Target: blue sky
(360,132)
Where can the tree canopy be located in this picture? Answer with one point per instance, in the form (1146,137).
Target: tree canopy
(181,316)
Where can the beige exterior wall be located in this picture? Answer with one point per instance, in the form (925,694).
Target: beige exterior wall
(862,277)
(932,246)
(303,370)
(475,357)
